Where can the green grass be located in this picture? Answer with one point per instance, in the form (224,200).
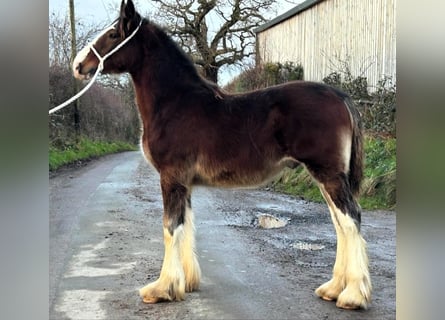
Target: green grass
(378,189)
(85,149)
(379,183)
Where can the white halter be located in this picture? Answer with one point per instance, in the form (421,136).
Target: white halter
(100,67)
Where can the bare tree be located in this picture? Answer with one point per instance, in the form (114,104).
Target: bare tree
(60,38)
(59,49)
(215,32)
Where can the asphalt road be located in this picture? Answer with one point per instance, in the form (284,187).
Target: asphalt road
(106,243)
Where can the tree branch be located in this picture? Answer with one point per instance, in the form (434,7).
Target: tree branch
(210,47)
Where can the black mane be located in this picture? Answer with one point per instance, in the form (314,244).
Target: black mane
(174,60)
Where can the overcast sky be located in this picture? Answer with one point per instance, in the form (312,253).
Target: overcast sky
(101,10)
(105,11)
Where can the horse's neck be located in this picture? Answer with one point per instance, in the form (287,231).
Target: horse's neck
(145,100)
(160,79)
(165,76)
(149,87)
(152,89)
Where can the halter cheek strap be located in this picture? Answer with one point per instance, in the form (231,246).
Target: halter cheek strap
(120,45)
(100,67)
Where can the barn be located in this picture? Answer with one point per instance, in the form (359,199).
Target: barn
(331,35)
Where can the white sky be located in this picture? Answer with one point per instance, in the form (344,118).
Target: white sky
(105,11)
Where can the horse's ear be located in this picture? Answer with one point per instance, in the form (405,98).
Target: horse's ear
(129,18)
(127,9)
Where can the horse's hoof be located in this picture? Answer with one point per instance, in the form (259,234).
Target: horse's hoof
(329,291)
(327,298)
(156,292)
(352,299)
(151,300)
(152,296)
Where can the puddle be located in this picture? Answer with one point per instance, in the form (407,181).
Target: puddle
(307,246)
(268,206)
(268,221)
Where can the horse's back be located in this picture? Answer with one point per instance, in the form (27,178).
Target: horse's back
(308,122)
(245,139)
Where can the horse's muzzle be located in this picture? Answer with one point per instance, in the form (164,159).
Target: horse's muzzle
(81,74)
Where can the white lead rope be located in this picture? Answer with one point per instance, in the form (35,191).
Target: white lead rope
(100,67)
(63,105)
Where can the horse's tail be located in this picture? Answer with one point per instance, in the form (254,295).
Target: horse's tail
(355,175)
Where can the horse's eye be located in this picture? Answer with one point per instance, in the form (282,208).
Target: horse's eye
(114,35)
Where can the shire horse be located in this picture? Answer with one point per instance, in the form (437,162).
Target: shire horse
(194,133)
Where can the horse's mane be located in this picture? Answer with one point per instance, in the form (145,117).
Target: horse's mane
(183,60)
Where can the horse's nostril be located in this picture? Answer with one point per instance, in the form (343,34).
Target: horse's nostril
(78,66)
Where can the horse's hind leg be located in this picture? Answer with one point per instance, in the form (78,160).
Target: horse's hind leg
(350,284)
(172,282)
(332,289)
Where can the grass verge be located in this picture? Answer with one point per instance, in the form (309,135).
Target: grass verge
(378,189)
(84,150)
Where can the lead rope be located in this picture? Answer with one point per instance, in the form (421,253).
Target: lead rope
(100,67)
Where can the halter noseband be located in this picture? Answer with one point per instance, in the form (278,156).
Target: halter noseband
(100,67)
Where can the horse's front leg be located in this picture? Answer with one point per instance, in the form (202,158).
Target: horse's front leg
(189,260)
(180,269)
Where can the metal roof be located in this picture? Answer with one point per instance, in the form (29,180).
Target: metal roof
(299,8)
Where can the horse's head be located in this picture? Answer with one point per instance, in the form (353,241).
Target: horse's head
(87,62)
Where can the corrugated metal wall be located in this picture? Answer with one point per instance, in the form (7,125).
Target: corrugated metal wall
(359,32)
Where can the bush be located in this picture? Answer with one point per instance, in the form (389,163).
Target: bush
(378,109)
(276,73)
(106,113)
(269,74)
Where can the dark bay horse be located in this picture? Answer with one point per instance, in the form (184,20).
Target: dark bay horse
(194,133)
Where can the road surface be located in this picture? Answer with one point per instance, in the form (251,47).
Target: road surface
(106,243)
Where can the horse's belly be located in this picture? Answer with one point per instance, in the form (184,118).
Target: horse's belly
(241,177)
